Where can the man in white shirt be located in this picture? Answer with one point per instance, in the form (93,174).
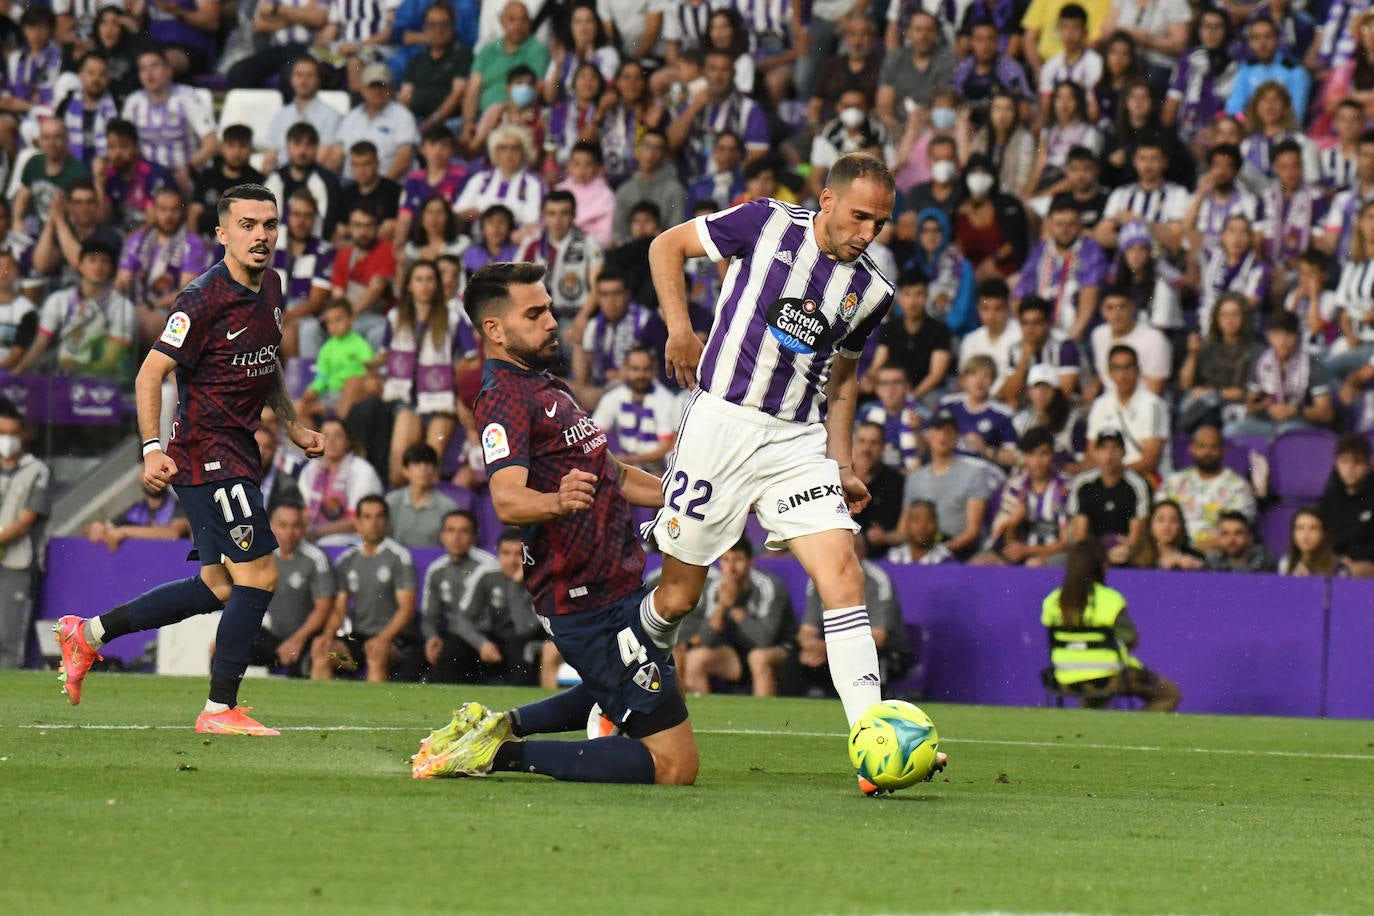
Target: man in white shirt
(999,334)
(1151,200)
(1141,416)
(641,413)
(1121,327)
(307,106)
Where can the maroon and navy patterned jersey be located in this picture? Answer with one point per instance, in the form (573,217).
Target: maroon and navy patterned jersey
(591,558)
(225,339)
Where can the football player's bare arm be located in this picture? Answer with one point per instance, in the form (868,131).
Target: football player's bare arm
(158,468)
(310,441)
(639,486)
(517,504)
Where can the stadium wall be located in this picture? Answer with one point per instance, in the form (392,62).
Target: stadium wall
(1240,644)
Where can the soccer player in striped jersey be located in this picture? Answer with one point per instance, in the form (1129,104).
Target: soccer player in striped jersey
(222,340)
(776,385)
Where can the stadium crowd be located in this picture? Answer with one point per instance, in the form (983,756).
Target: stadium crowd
(1133,249)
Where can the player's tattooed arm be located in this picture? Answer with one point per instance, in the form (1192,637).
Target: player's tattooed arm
(639,486)
(309,441)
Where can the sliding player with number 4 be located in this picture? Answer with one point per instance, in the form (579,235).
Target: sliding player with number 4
(551,473)
(222,340)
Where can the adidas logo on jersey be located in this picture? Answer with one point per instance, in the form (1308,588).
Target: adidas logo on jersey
(784,256)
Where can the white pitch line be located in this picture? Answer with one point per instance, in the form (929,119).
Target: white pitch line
(768,733)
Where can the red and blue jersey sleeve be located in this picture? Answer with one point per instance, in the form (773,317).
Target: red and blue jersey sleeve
(504,421)
(187,329)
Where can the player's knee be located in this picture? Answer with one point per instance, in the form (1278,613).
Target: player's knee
(673,602)
(678,768)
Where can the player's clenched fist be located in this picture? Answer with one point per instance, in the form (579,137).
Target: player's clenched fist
(158,470)
(575,492)
(308,440)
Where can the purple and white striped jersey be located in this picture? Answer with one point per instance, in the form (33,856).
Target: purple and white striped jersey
(687,25)
(313,268)
(360,19)
(784,311)
(169,132)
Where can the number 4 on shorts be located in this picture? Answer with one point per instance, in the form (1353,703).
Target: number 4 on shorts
(631,651)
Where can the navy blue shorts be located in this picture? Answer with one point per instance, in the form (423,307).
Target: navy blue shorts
(631,678)
(228,520)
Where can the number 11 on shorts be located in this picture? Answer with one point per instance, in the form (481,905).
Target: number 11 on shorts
(221,498)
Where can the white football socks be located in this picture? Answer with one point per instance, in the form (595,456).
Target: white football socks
(212,707)
(853,659)
(95,633)
(663,633)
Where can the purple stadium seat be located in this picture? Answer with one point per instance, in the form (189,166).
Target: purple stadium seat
(1237,452)
(453,454)
(461,495)
(215,82)
(1300,463)
(1178,451)
(299,373)
(1273,530)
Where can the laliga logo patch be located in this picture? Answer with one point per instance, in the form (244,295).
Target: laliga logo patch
(178,324)
(242,536)
(850,307)
(494,443)
(648,677)
(674,527)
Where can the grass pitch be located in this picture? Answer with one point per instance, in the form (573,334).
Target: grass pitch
(117,806)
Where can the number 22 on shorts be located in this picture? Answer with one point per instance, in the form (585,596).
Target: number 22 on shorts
(701,489)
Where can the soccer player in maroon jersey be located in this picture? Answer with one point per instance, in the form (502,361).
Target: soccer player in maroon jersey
(222,340)
(551,473)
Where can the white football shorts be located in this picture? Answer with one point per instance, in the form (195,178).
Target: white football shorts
(730,458)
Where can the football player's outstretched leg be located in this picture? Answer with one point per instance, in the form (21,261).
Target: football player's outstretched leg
(222,340)
(552,474)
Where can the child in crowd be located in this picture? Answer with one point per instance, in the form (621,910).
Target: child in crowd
(341,370)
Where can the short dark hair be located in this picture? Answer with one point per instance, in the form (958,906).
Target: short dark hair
(912,276)
(1081,154)
(510,534)
(302,132)
(497,210)
(562,196)
(461,513)
(372,498)
(338,303)
(1064,201)
(756,167)
(1231,515)
(1353,444)
(237,133)
(304,196)
(1036,437)
(38,15)
(363,148)
(287,502)
(419,453)
(1035,304)
(247,191)
(993,288)
(853,166)
(650,208)
(1151,140)
(590,147)
(438,133)
(1073,11)
(519,71)
(612,274)
(81,184)
(1284,321)
(367,208)
(1123,350)
(489,288)
(1315,257)
(10,411)
(1230,151)
(742,546)
(1283,146)
(119,127)
(871,424)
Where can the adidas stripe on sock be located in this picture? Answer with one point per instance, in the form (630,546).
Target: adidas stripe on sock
(663,633)
(853,659)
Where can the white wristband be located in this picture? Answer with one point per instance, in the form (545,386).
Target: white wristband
(152,445)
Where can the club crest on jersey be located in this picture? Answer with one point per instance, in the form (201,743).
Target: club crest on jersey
(649,678)
(495,446)
(242,536)
(174,334)
(276,313)
(674,528)
(849,307)
(798,325)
